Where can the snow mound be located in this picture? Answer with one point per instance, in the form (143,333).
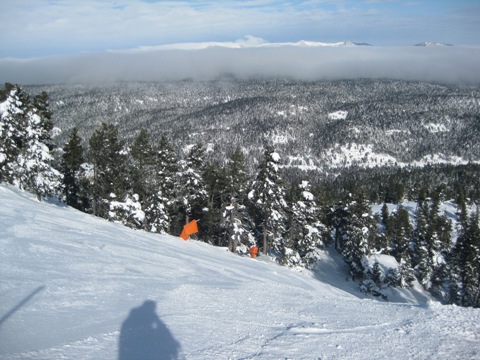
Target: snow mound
(338,115)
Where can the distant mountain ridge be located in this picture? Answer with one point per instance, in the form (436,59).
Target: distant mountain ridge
(246,42)
(432,44)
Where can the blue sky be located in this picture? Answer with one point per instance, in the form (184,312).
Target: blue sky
(39,28)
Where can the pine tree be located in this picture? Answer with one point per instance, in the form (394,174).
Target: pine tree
(160,203)
(355,232)
(306,231)
(35,170)
(41,103)
(374,281)
(128,212)
(147,184)
(431,244)
(12,130)
(25,157)
(166,167)
(216,184)
(72,160)
(398,234)
(235,214)
(455,261)
(268,197)
(382,239)
(142,167)
(191,192)
(466,264)
(157,217)
(109,176)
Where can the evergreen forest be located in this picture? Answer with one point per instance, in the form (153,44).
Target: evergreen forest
(262,170)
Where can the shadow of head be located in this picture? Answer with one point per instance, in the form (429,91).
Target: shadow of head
(144,336)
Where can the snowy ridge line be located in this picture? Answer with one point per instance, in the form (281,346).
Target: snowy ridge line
(248,42)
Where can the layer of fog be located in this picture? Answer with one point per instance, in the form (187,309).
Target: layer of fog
(437,64)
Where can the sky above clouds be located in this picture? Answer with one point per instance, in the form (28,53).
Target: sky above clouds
(37,28)
(45,41)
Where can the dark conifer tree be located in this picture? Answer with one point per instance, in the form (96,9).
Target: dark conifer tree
(355,231)
(431,244)
(216,184)
(465,264)
(41,103)
(72,160)
(399,234)
(237,221)
(109,177)
(142,167)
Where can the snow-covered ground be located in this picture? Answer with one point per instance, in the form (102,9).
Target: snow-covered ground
(78,287)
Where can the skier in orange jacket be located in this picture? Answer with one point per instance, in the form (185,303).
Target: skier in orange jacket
(254,251)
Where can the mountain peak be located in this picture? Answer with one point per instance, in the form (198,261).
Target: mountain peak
(432,44)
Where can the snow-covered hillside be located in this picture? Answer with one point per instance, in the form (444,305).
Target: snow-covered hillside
(78,287)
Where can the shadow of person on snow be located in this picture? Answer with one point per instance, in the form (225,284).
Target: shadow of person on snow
(144,336)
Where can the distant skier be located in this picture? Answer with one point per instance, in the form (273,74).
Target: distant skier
(254,251)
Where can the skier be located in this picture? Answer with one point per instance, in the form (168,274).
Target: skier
(253,251)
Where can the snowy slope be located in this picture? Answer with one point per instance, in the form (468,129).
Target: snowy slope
(74,287)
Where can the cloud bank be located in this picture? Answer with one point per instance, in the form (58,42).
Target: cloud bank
(434,64)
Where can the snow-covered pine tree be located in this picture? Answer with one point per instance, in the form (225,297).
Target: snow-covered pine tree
(109,177)
(159,205)
(431,244)
(12,130)
(25,132)
(420,256)
(35,161)
(375,281)
(157,218)
(355,231)
(191,193)
(235,214)
(382,241)
(465,264)
(306,231)
(399,233)
(166,167)
(455,258)
(146,185)
(128,212)
(268,196)
(42,104)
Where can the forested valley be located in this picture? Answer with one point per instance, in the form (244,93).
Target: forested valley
(291,167)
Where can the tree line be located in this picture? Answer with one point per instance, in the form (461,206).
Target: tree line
(144,184)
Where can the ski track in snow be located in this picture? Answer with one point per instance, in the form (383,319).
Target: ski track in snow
(69,282)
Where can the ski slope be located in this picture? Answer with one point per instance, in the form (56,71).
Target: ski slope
(78,287)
